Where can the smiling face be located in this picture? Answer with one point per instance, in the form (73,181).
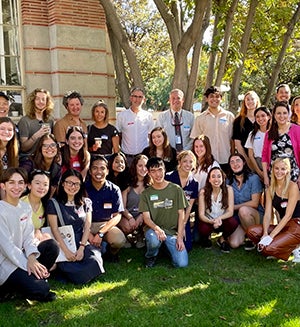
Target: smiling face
(49,148)
(215,178)
(75,141)
(118,164)
(7,131)
(74,107)
(99,114)
(199,149)
(280,170)
(283,94)
(141,168)
(251,101)
(137,99)
(4,107)
(187,163)
(262,118)
(157,175)
(39,186)
(98,171)
(14,188)
(71,186)
(214,100)
(236,164)
(40,101)
(296,107)
(157,138)
(176,100)
(281,115)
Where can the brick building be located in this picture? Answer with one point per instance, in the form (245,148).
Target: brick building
(58,45)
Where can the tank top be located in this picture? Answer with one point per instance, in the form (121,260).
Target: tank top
(280,205)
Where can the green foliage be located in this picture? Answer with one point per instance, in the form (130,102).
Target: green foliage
(216,289)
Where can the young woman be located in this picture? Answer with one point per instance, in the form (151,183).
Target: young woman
(244,123)
(8,144)
(160,147)
(282,140)
(37,121)
(296,110)
(24,267)
(216,205)
(205,160)
(132,220)
(283,195)
(118,170)
(103,138)
(255,140)
(247,190)
(183,177)
(86,263)
(46,157)
(38,187)
(74,153)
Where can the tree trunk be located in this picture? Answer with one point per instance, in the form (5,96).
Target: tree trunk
(234,102)
(286,39)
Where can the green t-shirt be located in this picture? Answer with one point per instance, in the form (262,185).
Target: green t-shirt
(163,206)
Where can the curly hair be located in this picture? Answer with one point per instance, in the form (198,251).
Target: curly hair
(72,95)
(30,105)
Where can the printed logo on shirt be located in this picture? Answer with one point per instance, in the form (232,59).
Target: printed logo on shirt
(166,204)
(130,123)
(23,218)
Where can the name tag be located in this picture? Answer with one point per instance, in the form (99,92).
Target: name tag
(154,197)
(107,206)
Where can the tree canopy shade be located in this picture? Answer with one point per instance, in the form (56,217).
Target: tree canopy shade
(160,45)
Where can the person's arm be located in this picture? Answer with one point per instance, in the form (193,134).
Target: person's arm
(268,213)
(265,174)
(253,203)
(254,163)
(201,209)
(238,146)
(188,210)
(85,236)
(116,143)
(54,228)
(28,142)
(229,211)
(180,232)
(293,197)
(161,235)
(87,165)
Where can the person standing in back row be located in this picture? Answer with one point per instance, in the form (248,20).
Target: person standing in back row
(177,122)
(216,123)
(134,124)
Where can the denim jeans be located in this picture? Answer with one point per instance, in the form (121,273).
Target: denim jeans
(179,258)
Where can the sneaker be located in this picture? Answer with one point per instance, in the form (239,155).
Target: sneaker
(140,244)
(224,246)
(127,245)
(249,245)
(51,296)
(296,254)
(206,244)
(150,262)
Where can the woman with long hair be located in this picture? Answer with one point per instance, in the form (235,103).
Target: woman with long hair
(295,106)
(255,140)
(86,263)
(74,153)
(38,120)
(283,195)
(103,138)
(282,140)
(131,222)
(183,177)
(244,123)
(46,157)
(159,147)
(118,170)
(216,203)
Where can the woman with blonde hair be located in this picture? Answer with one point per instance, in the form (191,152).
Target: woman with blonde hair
(38,120)
(244,123)
(283,195)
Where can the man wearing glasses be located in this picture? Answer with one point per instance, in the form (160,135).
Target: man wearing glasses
(177,122)
(134,124)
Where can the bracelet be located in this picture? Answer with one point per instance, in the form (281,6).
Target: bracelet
(82,244)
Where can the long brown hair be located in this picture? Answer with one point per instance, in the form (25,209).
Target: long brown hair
(244,109)
(133,172)
(30,105)
(166,145)
(273,132)
(208,190)
(208,158)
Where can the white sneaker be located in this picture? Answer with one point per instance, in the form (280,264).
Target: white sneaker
(296,254)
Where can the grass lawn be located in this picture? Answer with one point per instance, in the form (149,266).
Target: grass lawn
(237,289)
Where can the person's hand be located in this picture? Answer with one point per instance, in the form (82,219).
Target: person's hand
(71,256)
(161,235)
(180,244)
(217,223)
(266,181)
(80,253)
(36,268)
(96,241)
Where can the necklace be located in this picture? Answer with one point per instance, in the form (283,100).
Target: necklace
(70,203)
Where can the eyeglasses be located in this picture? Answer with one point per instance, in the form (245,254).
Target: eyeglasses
(40,171)
(49,146)
(70,183)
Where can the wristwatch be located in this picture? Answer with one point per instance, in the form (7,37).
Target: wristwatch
(101,235)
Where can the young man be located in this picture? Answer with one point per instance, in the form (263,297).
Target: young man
(217,124)
(107,208)
(4,104)
(73,102)
(177,122)
(162,205)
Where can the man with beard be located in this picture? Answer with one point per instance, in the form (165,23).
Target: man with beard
(247,189)
(107,208)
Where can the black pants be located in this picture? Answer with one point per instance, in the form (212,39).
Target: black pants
(28,285)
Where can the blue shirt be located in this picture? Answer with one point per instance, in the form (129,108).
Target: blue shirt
(106,201)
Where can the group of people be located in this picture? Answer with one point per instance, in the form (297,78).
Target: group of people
(239,176)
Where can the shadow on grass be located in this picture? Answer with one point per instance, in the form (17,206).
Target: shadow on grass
(236,289)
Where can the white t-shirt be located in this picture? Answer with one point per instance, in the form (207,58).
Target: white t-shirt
(257,143)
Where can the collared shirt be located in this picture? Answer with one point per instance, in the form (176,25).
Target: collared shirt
(218,128)
(135,128)
(166,121)
(61,126)
(106,201)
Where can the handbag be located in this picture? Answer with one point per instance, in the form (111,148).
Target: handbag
(66,232)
